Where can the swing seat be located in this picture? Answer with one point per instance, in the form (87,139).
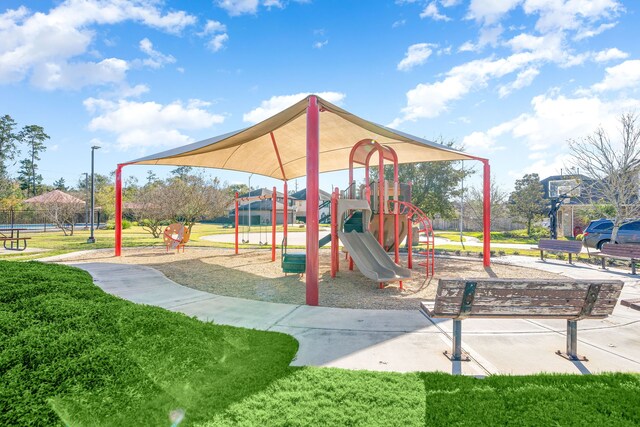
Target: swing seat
(293,262)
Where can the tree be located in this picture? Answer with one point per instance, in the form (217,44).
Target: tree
(527,199)
(8,143)
(436,185)
(194,197)
(151,177)
(29,180)
(60,185)
(474,206)
(614,165)
(182,171)
(34,137)
(151,210)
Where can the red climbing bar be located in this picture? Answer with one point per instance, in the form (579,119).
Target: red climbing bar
(409,242)
(274,220)
(313,178)
(334,234)
(237,220)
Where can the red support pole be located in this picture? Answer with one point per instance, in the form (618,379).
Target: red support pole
(381,198)
(486,213)
(237,221)
(118,237)
(285,214)
(334,214)
(274,220)
(313,178)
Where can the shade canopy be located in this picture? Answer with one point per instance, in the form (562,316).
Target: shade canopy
(55,197)
(281,139)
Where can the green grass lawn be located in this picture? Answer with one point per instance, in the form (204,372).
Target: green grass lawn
(136,236)
(71,354)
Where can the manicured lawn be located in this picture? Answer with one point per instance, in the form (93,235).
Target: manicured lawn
(135,236)
(72,354)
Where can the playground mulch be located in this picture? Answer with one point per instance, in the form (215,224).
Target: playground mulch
(252,275)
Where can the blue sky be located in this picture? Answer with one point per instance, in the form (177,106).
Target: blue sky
(510,80)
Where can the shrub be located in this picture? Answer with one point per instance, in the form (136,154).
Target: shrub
(561,256)
(458,252)
(501,253)
(111,224)
(516,253)
(492,253)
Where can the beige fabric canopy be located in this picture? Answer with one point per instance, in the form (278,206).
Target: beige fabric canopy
(252,149)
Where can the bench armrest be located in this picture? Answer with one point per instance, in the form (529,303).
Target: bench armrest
(427,308)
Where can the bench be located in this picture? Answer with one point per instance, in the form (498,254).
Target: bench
(17,240)
(568,299)
(628,251)
(551,245)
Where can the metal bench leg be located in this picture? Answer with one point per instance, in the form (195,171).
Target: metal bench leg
(572,343)
(457,354)
(542,255)
(633,266)
(570,258)
(604,267)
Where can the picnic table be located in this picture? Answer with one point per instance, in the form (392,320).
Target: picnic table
(7,235)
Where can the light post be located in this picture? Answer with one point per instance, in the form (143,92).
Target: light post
(92,239)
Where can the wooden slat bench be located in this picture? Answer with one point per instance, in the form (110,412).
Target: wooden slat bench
(568,299)
(628,251)
(17,241)
(565,246)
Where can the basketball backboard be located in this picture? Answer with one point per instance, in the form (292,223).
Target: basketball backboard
(564,188)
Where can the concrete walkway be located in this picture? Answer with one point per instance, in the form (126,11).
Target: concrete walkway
(402,341)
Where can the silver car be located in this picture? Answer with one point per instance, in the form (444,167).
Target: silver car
(599,232)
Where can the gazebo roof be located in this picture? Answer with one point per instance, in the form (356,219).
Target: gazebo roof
(281,138)
(55,196)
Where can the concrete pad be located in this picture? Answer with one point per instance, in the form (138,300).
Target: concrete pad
(354,319)
(236,312)
(490,326)
(376,351)
(524,354)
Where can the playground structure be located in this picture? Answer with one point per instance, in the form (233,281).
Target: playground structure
(273,148)
(176,236)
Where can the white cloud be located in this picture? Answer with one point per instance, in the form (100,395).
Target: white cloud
(63,75)
(321,44)
(275,104)
(50,41)
(623,76)
(219,32)
(399,23)
(553,120)
(417,54)
(239,7)
(490,12)
(610,55)
(149,124)
(217,42)
(488,36)
(584,33)
(571,15)
(156,59)
(431,11)
(213,27)
(523,79)
(430,100)
(449,3)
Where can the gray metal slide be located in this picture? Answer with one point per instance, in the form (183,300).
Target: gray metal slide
(371,258)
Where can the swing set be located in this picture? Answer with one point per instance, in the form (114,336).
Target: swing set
(273,196)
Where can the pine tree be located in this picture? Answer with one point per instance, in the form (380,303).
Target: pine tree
(34,137)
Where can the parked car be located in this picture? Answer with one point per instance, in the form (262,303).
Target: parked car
(599,232)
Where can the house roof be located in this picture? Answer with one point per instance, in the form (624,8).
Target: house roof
(302,195)
(280,139)
(55,196)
